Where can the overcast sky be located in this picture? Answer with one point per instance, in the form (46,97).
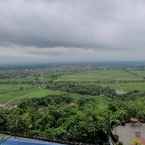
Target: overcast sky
(71,30)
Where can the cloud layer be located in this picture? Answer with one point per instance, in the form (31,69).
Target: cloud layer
(86,29)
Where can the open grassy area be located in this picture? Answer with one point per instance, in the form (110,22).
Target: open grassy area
(131,86)
(14,93)
(126,86)
(119,79)
(100,75)
(17,87)
(140,72)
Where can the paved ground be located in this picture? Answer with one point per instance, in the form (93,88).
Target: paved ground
(127,133)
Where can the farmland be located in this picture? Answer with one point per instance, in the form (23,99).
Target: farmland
(104,75)
(29,85)
(119,79)
(18,87)
(13,93)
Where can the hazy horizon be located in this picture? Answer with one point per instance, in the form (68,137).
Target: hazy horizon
(40,31)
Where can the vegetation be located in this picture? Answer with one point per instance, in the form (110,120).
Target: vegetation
(102,75)
(80,88)
(72,106)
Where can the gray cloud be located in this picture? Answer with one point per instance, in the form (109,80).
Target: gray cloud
(57,28)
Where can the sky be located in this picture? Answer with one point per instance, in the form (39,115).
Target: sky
(71,30)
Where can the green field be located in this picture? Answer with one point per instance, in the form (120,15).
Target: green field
(121,80)
(101,75)
(128,86)
(13,93)
(19,87)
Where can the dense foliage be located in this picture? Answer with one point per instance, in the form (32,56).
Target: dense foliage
(70,117)
(76,87)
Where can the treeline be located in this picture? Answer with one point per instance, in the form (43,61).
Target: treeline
(93,90)
(83,89)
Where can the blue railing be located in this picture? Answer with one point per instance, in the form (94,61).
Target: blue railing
(23,141)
